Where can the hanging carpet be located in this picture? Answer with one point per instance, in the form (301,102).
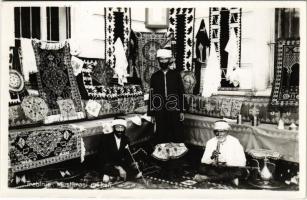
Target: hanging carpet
(148,44)
(285,91)
(201,48)
(222,21)
(117,24)
(55,77)
(92,84)
(181,26)
(17,90)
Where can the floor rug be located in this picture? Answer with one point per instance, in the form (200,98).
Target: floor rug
(42,147)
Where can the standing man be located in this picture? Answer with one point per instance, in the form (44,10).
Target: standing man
(166,108)
(224,157)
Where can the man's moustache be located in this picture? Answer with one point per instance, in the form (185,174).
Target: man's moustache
(119,134)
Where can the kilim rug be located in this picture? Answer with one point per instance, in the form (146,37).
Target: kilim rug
(58,178)
(117,24)
(40,147)
(181,26)
(221,21)
(55,77)
(100,73)
(91,179)
(285,92)
(215,107)
(93,86)
(70,175)
(17,89)
(104,107)
(148,44)
(102,99)
(158,180)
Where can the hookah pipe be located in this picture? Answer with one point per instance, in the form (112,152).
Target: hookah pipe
(218,152)
(137,166)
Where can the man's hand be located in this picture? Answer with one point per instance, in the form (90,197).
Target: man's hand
(214,154)
(135,165)
(122,172)
(181,117)
(153,120)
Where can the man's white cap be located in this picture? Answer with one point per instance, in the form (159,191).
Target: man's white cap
(119,122)
(221,125)
(164,53)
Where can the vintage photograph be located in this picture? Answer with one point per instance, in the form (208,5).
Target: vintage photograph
(153,97)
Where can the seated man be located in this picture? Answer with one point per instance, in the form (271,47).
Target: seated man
(115,158)
(224,157)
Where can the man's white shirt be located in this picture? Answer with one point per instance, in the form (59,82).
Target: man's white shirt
(117,141)
(231,152)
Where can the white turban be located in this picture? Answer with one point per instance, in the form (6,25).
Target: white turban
(164,53)
(119,122)
(221,125)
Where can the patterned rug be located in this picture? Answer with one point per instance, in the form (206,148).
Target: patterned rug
(94,180)
(100,73)
(230,107)
(181,26)
(148,44)
(285,92)
(103,107)
(71,175)
(55,76)
(41,147)
(62,178)
(17,89)
(158,180)
(92,84)
(117,24)
(221,21)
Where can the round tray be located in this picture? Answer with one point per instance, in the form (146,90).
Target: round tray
(266,185)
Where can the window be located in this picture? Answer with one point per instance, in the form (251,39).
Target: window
(287,23)
(27,23)
(52,24)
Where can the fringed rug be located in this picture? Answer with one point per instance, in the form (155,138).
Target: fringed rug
(285,92)
(117,24)
(92,84)
(148,44)
(181,26)
(55,77)
(40,147)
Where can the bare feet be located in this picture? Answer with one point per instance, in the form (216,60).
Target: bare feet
(199,177)
(235,181)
